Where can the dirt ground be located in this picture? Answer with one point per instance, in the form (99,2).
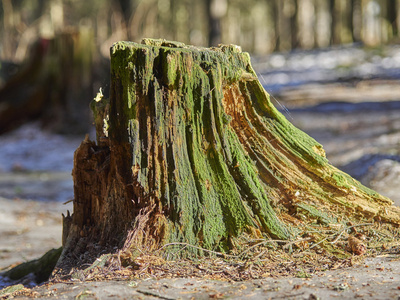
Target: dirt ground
(360,136)
(377,278)
(28,229)
(36,227)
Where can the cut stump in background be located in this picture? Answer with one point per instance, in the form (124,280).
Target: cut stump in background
(190,151)
(53,85)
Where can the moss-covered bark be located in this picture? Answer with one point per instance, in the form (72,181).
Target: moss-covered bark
(190,149)
(41,268)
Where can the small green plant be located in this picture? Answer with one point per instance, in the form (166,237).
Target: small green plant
(303,274)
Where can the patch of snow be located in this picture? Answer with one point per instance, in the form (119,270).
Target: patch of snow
(29,148)
(327,65)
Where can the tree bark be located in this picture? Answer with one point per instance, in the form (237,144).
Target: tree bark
(191,150)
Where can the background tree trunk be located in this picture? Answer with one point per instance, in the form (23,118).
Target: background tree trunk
(55,84)
(216,9)
(191,150)
(391,16)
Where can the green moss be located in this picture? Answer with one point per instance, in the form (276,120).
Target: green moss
(41,268)
(168,105)
(182,85)
(7,291)
(315,213)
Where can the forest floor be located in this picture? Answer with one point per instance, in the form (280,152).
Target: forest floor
(356,119)
(29,228)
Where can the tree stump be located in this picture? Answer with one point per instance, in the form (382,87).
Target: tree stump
(190,150)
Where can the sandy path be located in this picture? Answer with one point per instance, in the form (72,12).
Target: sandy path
(28,229)
(377,278)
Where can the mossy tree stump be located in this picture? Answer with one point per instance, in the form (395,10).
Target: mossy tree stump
(190,150)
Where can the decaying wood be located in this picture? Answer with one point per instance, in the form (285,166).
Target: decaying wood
(190,150)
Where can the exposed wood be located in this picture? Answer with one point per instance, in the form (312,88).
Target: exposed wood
(190,150)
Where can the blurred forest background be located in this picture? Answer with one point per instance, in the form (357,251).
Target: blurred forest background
(54,53)
(259,26)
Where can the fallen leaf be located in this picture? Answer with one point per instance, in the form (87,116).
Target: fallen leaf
(217,295)
(356,246)
(297,286)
